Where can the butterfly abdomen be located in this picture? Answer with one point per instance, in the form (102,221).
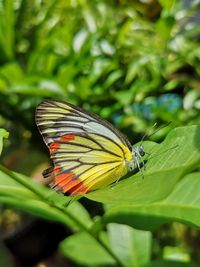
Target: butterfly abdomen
(48,172)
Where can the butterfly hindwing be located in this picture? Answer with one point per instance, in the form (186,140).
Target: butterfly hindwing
(87,152)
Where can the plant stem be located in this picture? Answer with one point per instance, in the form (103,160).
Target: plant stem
(23,182)
(81,226)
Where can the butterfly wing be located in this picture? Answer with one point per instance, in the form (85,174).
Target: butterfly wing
(87,151)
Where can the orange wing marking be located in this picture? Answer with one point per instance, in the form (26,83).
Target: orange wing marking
(66,181)
(78,189)
(67,138)
(54,146)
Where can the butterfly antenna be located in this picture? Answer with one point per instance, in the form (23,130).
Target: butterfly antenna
(161,127)
(145,135)
(149,135)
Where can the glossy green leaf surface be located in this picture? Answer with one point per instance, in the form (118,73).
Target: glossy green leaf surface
(3,134)
(21,192)
(84,250)
(169,191)
(132,246)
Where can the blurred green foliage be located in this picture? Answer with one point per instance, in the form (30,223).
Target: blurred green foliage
(132,62)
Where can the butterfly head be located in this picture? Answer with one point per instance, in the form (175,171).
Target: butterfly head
(137,153)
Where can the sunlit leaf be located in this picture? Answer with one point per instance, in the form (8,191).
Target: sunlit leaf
(132,246)
(83,249)
(20,192)
(3,134)
(161,196)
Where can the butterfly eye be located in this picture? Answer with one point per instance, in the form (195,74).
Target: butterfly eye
(141,151)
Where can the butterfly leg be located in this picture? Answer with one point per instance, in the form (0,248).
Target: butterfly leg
(137,163)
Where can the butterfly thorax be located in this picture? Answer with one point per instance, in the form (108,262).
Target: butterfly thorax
(137,154)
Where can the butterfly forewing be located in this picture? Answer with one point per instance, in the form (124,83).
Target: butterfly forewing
(87,151)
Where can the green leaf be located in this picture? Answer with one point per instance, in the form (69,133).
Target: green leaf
(7,28)
(123,97)
(13,70)
(168,162)
(176,253)
(132,246)
(164,27)
(45,89)
(85,250)
(167,4)
(163,194)
(21,192)
(182,205)
(3,134)
(112,78)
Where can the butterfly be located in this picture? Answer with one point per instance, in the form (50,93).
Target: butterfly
(88,152)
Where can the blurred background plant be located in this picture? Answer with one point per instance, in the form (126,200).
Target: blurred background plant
(132,62)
